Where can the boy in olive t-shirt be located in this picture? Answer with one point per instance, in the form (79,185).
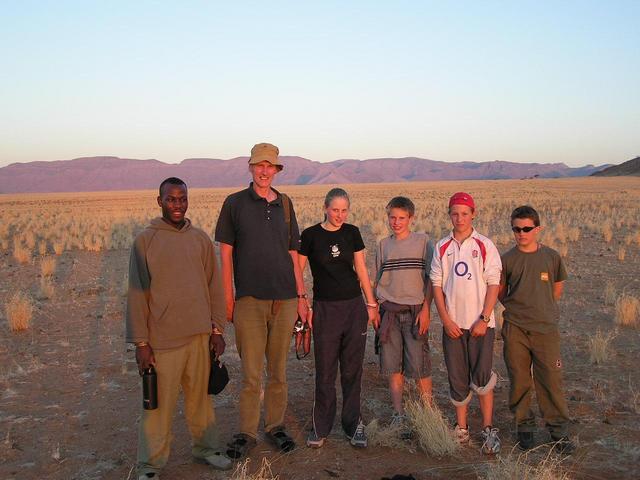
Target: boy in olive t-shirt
(531,284)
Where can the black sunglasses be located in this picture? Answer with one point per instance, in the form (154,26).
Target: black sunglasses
(522,229)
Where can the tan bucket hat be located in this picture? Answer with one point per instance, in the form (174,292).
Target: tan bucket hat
(265,151)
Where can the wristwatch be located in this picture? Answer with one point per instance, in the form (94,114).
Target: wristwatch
(484,318)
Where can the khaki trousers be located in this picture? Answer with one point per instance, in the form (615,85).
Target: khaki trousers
(263,329)
(524,352)
(187,367)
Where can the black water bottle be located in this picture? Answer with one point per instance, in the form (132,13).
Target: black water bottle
(149,389)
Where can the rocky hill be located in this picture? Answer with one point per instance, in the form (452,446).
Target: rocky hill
(114,173)
(628,168)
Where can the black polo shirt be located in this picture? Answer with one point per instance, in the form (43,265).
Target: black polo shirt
(258,233)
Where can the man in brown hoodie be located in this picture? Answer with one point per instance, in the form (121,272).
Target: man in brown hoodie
(175,314)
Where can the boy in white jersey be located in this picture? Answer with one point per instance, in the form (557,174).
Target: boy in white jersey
(465,273)
(404,292)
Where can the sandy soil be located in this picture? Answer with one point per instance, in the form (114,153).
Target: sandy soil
(70,394)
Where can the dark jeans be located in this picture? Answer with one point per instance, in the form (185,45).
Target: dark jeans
(339,336)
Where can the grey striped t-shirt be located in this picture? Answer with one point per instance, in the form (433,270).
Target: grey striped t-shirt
(402,268)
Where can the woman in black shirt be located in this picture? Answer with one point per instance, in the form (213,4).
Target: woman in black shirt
(335,251)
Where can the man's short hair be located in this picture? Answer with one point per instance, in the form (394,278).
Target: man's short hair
(171,181)
(525,211)
(403,203)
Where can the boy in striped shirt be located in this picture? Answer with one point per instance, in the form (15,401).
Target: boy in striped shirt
(404,293)
(465,273)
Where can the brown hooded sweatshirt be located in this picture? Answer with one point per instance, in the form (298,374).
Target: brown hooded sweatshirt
(175,286)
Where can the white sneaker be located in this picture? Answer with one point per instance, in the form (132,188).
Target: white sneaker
(218,461)
(314,441)
(359,438)
(462,434)
(490,441)
(399,421)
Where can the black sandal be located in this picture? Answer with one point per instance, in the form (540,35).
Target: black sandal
(240,446)
(281,439)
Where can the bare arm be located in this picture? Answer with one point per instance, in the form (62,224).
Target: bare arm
(490,299)
(479,327)
(303,304)
(226,262)
(360,266)
(450,327)
(302,262)
(558,288)
(502,291)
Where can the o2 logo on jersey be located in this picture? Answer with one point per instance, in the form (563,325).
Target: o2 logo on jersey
(462,270)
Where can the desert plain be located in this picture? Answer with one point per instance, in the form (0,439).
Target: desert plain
(70,394)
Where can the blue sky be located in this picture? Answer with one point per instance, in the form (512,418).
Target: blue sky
(453,81)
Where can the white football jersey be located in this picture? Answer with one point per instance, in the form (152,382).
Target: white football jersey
(463,271)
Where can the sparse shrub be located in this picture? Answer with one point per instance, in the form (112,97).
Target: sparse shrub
(610,294)
(519,466)
(384,436)
(19,311)
(599,344)
(42,247)
(30,240)
(264,473)
(58,247)
(431,429)
(627,311)
(48,266)
(563,250)
(21,254)
(573,234)
(47,289)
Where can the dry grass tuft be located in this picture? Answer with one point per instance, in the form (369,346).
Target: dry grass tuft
(621,253)
(48,266)
(42,247)
(384,436)
(599,344)
(264,473)
(431,429)
(47,289)
(19,310)
(58,247)
(21,253)
(517,466)
(627,311)
(610,294)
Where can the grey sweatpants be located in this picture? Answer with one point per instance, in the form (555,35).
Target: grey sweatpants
(469,363)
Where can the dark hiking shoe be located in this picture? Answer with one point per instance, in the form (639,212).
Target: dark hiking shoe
(525,440)
(564,446)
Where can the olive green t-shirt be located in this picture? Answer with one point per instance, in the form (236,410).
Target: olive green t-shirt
(529,277)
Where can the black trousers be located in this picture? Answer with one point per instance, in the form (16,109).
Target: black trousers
(339,337)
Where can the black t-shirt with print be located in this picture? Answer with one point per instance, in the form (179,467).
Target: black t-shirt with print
(330,255)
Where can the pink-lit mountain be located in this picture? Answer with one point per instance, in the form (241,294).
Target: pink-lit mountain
(113,173)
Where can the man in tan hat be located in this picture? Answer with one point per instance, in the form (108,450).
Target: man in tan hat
(259,241)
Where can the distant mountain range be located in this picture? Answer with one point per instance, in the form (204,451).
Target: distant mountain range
(628,168)
(113,173)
